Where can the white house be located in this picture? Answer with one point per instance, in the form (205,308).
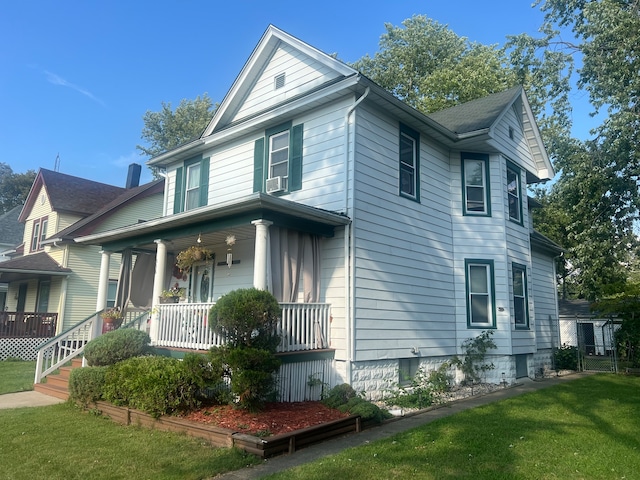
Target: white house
(389,236)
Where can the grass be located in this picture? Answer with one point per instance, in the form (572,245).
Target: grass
(16,376)
(585,428)
(62,442)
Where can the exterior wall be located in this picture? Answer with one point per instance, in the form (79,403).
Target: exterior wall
(403,248)
(546,301)
(145,209)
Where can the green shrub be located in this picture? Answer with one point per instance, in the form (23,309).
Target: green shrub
(87,384)
(566,358)
(158,385)
(339,395)
(366,410)
(251,371)
(115,346)
(423,389)
(475,351)
(247,318)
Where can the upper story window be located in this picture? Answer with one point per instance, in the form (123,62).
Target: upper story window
(39,233)
(520,302)
(475,180)
(277,160)
(480,288)
(409,163)
(192,185)
(514,193)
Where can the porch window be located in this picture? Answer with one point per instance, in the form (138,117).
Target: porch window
(520,303)
(278,160)
(42,302)
(112,288)
(39,233)
(191,185)
(480,293)
(475,181)
(513,193)
(409,163)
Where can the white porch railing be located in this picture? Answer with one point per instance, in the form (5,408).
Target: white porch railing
(303,326)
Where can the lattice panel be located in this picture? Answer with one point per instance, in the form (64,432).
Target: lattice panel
(23,348)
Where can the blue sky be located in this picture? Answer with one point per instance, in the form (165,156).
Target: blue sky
(76,77)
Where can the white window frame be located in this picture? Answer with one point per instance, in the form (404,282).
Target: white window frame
(514,195)
(273,164)
(192,190)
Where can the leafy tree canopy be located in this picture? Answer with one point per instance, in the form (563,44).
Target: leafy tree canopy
(168,129)
(14,187)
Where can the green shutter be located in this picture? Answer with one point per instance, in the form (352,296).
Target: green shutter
(295,162)
(204,182)
(258,165)
(178,199)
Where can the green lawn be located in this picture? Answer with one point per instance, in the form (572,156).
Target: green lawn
(16,376)
(63,442)
(583,429)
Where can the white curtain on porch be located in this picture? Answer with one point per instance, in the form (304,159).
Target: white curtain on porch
(294,255)
(140,283)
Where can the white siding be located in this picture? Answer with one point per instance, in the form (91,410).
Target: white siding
(516,149)
(546,300)
(403,249)
(301,74)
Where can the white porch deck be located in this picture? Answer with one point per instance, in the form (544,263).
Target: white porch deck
(303,326)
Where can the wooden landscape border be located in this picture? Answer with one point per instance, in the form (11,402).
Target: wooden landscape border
(222,437)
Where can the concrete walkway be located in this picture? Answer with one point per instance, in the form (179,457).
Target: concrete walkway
(389,429)
(27,399)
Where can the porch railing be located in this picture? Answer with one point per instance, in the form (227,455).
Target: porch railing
(28,324)
(303,326)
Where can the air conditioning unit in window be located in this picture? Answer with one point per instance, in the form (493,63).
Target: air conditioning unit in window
(275,185)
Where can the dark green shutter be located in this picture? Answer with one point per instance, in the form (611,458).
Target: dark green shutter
(178,199)
(204,182)
(258,165)
(295,166)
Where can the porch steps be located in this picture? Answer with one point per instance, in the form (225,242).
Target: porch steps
(57,385)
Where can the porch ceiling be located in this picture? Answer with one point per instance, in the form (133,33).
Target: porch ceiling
(214,223)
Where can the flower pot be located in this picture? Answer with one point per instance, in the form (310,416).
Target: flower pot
(174,299)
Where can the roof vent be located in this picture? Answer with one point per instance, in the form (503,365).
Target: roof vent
(278,81)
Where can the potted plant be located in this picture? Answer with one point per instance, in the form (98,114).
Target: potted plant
(192,255)
(173,295)
(112,315)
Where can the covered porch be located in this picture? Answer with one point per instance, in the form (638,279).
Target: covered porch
(261,241)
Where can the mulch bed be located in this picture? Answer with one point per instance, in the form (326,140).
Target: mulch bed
(275,419)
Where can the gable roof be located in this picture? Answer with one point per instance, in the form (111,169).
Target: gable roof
(87,225)
(69,194)
(11,230)
(481,116)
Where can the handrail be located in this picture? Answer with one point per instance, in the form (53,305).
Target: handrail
(62,348)
(138,322)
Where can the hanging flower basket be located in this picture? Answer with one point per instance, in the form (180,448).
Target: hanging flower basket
(192,255)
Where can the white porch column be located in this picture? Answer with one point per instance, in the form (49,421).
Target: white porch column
(261,254)
(103,290)
(158,285)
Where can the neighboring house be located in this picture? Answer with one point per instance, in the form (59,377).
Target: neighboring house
(53,284)
(11,231)
(580,327)
(388,236)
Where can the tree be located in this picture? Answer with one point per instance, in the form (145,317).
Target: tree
(14,187)
(168,129)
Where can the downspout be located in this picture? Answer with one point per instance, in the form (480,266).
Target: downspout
(349,267)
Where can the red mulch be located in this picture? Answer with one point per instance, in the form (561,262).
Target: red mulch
(275,419)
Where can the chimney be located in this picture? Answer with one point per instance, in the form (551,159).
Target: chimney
(133,177)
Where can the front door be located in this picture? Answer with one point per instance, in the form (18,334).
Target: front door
(202,283)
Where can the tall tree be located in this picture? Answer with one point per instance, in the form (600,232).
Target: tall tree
(168,129)
(14,187)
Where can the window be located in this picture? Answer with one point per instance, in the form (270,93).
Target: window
(192,185)
(278,155)
(475,179)
(520,303)
(39,233)
(409,163)
(480,293)
(112,288)
(407,370)
(42,302)
(513,193)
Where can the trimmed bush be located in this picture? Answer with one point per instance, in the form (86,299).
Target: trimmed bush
(115,346)
(566,358)
(339,395)
(247,318)
(158,385)
(86,384)
(366,410)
